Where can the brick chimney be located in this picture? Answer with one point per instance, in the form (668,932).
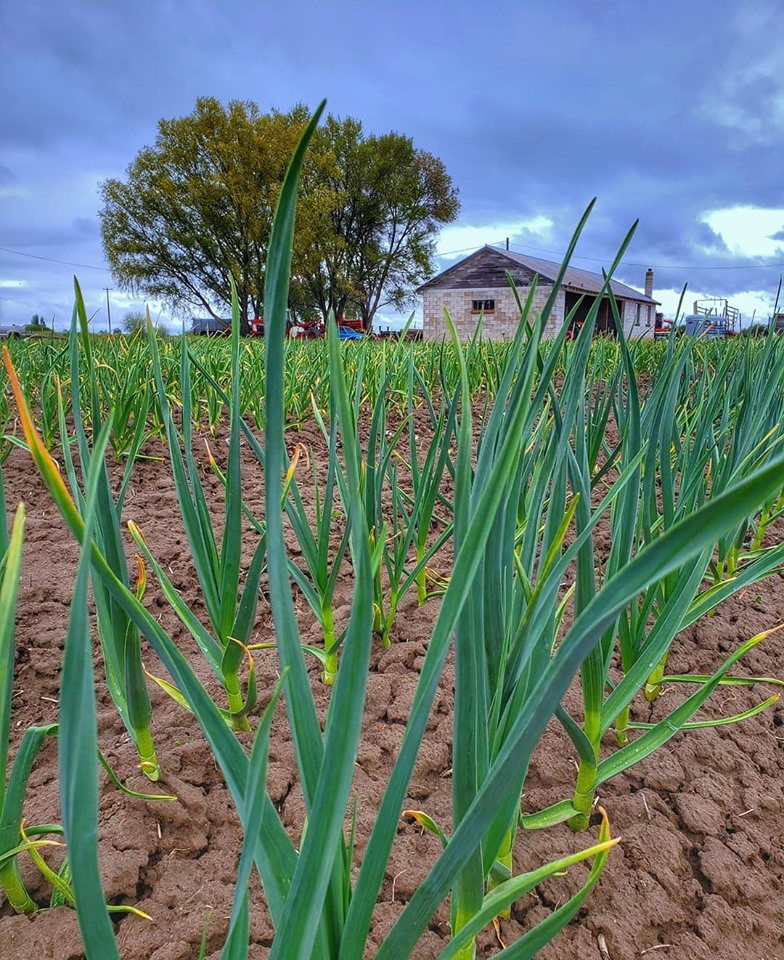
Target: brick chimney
(649,283)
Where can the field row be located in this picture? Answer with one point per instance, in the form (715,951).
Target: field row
(125,379)
(585,503)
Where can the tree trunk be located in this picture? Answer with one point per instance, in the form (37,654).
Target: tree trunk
(242,296)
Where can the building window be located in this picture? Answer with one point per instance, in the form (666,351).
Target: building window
(482,306)
(637,320)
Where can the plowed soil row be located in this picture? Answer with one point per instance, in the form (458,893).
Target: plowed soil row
(699,874)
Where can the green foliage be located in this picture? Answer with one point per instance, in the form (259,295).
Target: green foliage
(133,322)
(36,324)
(120,642)
(195,212)
(231,610)
(383,203)
(78,774)
(12,790)
(756,330)
(688,488)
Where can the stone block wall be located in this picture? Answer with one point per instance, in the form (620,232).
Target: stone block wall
(501,324)
(637,324)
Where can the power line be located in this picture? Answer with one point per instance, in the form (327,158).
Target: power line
(67,263)
(451,253)
(655,266)
(87,266)
(627,263)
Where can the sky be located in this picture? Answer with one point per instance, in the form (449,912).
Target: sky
(671,115)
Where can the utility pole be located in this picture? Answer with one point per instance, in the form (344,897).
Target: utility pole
(108,309)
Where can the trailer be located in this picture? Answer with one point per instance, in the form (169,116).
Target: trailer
(713,317)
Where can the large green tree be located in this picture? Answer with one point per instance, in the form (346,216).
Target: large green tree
(196,209)
(383,204)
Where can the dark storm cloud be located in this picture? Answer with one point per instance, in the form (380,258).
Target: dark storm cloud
(95,72)
(564,152)
(534,109)
(554,163)
(34,236)
(645,122)
(87,226)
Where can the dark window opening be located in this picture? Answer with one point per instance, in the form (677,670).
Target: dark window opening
(579,306)
(482,306)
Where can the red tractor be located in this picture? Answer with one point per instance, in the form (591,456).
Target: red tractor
(661,327)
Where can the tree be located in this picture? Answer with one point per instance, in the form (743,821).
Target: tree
(384,202)
(196,209)
(136,322)
(195,212)
(36,324)
(133,323)
(757,329)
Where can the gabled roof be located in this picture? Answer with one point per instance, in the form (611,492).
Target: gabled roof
(580,281)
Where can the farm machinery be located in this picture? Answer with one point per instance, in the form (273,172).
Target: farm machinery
(312,329)
(713,317)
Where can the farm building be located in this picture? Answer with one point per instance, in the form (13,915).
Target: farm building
(478,285)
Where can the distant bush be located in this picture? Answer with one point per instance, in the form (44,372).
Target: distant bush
(37,324)
(756,330)
(136,321)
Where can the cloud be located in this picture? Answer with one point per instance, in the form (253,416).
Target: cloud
(460,238)
(87,225)
(625,102)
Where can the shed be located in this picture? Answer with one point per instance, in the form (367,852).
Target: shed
(478,286)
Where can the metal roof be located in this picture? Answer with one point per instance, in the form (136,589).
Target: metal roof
(582,281)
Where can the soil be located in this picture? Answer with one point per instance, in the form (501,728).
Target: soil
(699,874)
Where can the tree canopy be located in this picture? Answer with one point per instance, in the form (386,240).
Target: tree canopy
(135,322)
(375,242)
(196,209)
